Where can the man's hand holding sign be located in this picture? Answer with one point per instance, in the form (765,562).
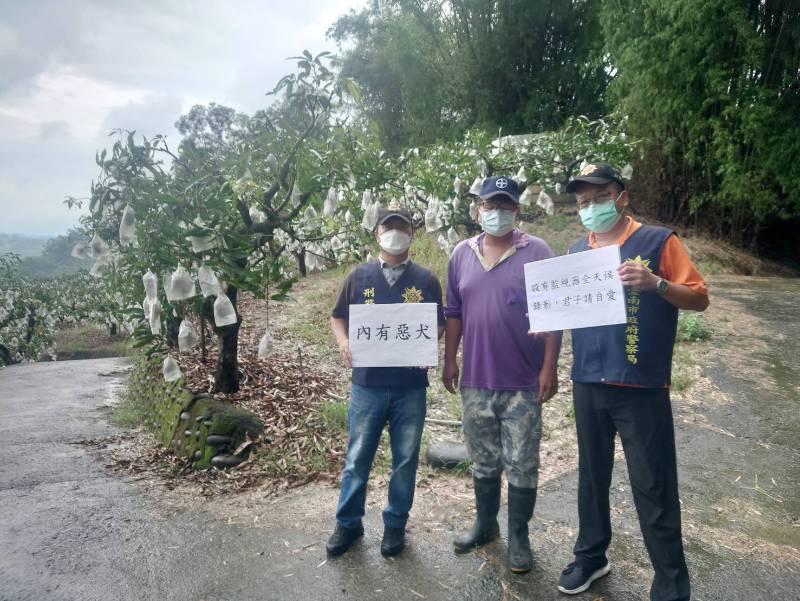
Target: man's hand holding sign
(386,321)
(620,381)
(575,291)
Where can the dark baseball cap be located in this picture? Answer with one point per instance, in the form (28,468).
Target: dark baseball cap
(596,173)
(499,184)
(393,210)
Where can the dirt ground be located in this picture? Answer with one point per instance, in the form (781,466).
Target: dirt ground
(739,462)
(737,425)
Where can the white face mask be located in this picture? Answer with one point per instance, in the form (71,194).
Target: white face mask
(394,242)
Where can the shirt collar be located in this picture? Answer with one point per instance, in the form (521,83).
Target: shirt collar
(385,265)
(630,227)
(519,239)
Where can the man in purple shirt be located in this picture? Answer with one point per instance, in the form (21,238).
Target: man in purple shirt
(507,374)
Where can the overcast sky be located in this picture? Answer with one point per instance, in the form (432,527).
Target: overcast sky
(72,70)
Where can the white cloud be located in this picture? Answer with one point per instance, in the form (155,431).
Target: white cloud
(72,70)
(152,114)
(63,94)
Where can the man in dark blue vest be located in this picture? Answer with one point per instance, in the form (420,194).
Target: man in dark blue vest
(621,378)
(381,395)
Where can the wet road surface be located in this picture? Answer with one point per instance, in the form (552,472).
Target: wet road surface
(71,530)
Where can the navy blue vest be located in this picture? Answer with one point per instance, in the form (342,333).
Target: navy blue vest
(639,352)
(370,286)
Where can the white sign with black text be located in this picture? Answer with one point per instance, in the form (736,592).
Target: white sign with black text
(394,335)
(578,290)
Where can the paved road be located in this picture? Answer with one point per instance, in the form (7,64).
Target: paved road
(72,531)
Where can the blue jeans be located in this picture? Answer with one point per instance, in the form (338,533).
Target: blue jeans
(371,407)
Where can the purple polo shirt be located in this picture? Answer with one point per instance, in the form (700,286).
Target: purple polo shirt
(498,353)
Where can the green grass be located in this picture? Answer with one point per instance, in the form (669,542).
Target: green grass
(89,341)
(313,322)
(454,405)
(559,231)
(555,223)
(692,327)
(682,379)
(129,413)
(334,415)
(710,266)
(462,469)
(426,252)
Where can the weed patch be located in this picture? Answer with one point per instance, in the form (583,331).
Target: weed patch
(692,327)
(334,415)
(131,412)
(89,342)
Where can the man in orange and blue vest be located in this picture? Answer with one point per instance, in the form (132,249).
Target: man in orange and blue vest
(621,378)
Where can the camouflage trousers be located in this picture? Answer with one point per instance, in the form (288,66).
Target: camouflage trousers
(502,429)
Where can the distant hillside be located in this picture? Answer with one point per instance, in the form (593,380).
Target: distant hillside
(47,266)
(44,257)
(24,246)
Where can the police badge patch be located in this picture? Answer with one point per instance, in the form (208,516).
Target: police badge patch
(412,295)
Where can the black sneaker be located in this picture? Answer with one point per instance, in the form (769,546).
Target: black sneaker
(394,540)
(342,539)
(577,578)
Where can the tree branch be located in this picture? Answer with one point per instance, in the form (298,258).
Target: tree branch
(244,211)
(284,170)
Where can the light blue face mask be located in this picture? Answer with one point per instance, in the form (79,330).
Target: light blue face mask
(498,222)
(600,217)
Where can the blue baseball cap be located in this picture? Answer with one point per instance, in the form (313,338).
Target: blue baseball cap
(499,184)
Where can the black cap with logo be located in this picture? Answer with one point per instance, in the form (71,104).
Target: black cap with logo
(393,210)
(598,174)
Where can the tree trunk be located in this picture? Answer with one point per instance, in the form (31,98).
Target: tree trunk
(112,329)
(171,332)
(5,356)
(226,378)
(301,262)
(31,326)
(203,350)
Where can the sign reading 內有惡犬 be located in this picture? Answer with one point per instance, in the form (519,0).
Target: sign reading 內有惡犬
(394,335)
